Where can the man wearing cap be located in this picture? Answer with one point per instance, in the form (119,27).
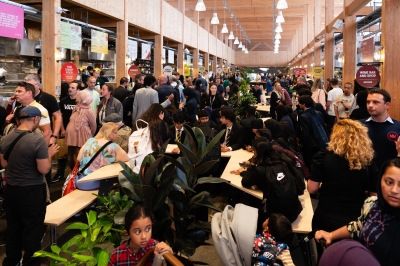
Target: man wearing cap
(26,158)
(123,131)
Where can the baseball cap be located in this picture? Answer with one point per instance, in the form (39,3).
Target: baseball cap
(29,111)
(114,117)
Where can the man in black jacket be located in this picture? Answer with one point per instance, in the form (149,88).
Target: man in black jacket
(233,137)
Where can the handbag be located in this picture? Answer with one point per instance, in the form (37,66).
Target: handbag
(69,184)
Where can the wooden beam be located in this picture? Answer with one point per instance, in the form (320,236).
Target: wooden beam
(349,46)
(329,28)
(255,46)
(355,6)
(122,46)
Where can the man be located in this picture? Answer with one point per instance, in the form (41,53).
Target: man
(164,90)
(301,84)
(121,92)
(25,197)
(256,91)
(67,105)
(343,102)
(233,138)
(332,94)
(145,97)
(127,103)
(178,88)
(176,132)
(233,86)
(383,131)
(85,77)
(220,87)
(139,81)
(203,82)
(123,131)
(306,134)
(91,83)
(203,118)
(246,124)
(99,81)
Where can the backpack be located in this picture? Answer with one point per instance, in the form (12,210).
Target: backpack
(296,160)
(282,195)
(320,131)
(139,146)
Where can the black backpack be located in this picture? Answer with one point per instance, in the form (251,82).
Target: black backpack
(320,131)
(296,160)
(282,194)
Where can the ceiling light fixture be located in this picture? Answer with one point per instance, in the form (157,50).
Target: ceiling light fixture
(246,51)
(215,20)
(200,6)
(236,41)
(240,45)
(231,36)
(278,28)
(282,4)
(280,18)
(277,41)
(278,36)
(224,28)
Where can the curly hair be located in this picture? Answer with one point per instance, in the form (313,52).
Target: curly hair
(350,140)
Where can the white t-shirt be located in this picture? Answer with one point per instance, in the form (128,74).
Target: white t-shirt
(341,109)
(332,94)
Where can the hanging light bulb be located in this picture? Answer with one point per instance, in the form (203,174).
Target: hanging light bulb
(277,41)
(278,28)
(276,51)
(215,20)
(246,51)
(282,4)
(200,6)
(243,48)
(231,36)
(240,45)
(236,41)
(276,45)
(280,18)
(224,29)
(278,36)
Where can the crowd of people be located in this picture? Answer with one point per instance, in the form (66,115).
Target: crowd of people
(344,140)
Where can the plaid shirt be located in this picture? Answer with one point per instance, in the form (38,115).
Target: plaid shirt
(123,255)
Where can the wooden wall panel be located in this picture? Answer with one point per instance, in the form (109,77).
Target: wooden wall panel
(190,35)
(147,17)
(114,8)
(203,40)
(220,48)
(212,44)
(225,52)
(258,58)
(171,18)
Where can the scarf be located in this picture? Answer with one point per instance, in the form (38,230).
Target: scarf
(79,109)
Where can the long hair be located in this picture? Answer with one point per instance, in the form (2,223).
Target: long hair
(151,116)
(350,140)
(317,85)
(106,130)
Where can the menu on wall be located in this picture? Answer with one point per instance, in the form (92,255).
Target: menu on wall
(132,49)
(146,51)
(11,21)
(71,36)
(163,53)
(200,61)
(171,57)
(99,42)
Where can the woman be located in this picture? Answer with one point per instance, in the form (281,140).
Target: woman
(154,116)
(378,227)
(191,104)
(214,101)
(81,126)
(282,116)
(111,153)
(361,112)
(276,97)
(108,104)
(277,132)
(188,83)
(341,175)
(318,93)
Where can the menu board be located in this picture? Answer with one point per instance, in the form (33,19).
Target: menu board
(71,36)
(99,42)
(146,51)
(11,21)
(132,49)
(171,57)
(163,53)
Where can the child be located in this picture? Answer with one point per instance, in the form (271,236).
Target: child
(138,224)
(269,247)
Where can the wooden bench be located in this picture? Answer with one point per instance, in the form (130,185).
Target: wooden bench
(66,207)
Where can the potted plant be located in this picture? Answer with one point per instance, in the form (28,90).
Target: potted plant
(245,100)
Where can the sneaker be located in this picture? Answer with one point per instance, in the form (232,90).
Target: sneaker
(57,178)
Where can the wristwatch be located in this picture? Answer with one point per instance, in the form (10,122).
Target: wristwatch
(53,136)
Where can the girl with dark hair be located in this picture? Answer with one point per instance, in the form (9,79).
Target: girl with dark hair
(214,101)
(191,104)
(282,116)
(277,132)
(158,128)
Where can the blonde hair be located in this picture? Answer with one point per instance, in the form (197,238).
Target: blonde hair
(350,140)
(317,85)
(106,130)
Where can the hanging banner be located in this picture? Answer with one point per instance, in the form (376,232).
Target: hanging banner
(171,57)
(132,49)
(318,72)
(11,21)
(167,70)
(146,51)
(99,42)
(368,50)
(368,76)
(186,70)
(299,71)
(71,36)
(133,71)
(164,54)
(201,69)
(69,72)
(200,61)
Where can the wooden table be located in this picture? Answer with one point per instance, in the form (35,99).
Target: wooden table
(263,108)
(105,172)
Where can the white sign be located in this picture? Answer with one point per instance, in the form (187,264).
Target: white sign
(168,70)
(71,36)
(146,51)
(171,57)
(132,49)
(219,70)
(163,54)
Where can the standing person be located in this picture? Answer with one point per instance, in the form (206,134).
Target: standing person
(361,112)
(332,94)
(164,90)
(190,104)
(276,97)
(103,76)
(91,83)
(382,129)
(26,164)
(108,104)
(220,87)
(67,105)
(121,92)
(85,77)
(233,86)
(139,83)
(343,102)
(233,138)
(178,87)
(318,94)
(81,127)
(257,92)
(99,81)
(214,101)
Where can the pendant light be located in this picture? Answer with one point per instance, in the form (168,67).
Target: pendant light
(280,18)
(224,28)
(215,20)
(282,4)
(231,36)
(278,36)
(276,51)
(246,51)
(277,41)
(278,28)
(240,45)
(236,41)
(200,6)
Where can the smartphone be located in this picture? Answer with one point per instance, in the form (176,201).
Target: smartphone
(243,165)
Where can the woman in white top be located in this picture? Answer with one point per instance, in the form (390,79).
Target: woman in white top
(318,93)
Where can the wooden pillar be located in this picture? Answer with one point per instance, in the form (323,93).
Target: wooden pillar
(310,23)
(214,67)
(329,40)
(122,46)
(317,30)
(390,38)
(305,33)
(207,61)
(195,62)
(181,58)
(158,48)
(317,54)
(76,59)
(51,38)
(309,61)
(349,46)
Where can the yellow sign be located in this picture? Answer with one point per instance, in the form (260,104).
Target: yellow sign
(318,72)
(99,42)
(201,69)
(186,71)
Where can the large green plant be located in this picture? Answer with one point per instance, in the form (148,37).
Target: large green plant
(245,100)
(157,184)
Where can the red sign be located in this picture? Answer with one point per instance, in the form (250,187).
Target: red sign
(69,72)
(300,71)
(133,71)
(368,76)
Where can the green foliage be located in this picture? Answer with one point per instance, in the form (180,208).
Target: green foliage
(158,187)
(245,100)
